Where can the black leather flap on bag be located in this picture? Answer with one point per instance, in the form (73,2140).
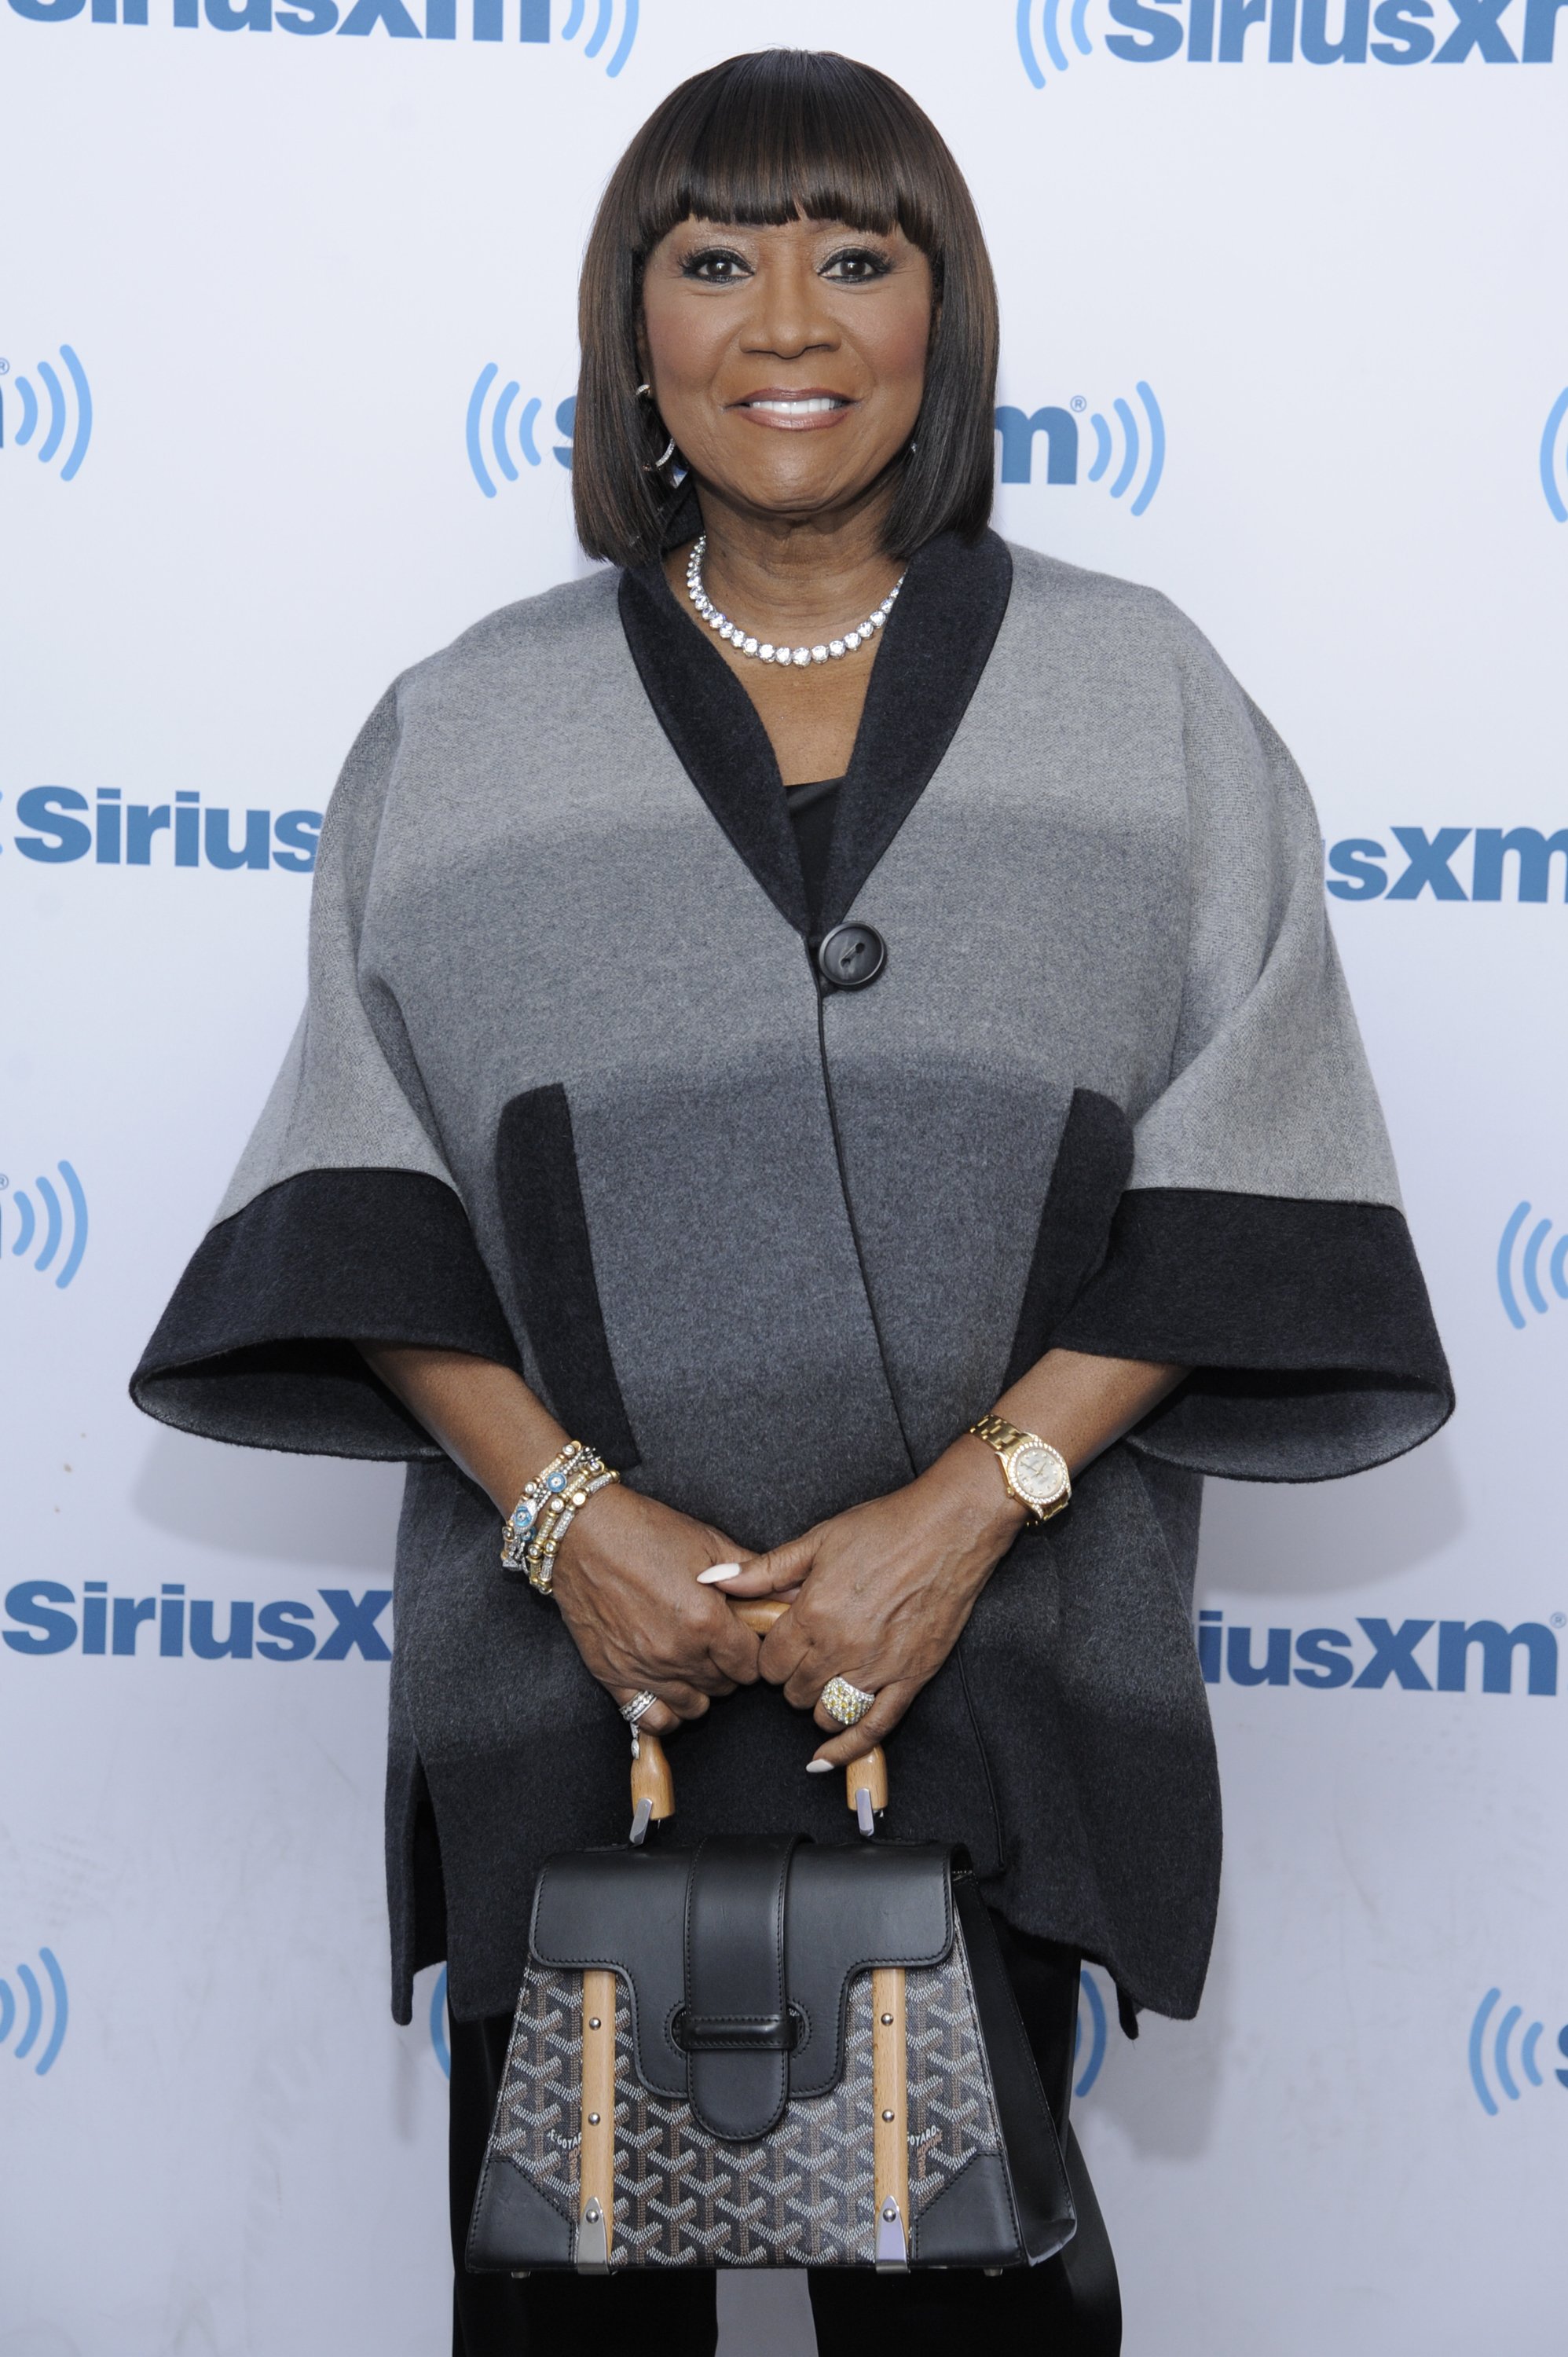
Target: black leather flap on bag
(695,1936)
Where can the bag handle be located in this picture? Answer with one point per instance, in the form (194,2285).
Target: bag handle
(653,1787)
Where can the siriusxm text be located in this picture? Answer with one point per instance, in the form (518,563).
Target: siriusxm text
(1495,863)
(43,1616)
(439,20)
(1420,1656)
(1333,32)
(180,833)
(1152,32)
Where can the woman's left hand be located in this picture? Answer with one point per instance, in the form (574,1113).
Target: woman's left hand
(880,1595)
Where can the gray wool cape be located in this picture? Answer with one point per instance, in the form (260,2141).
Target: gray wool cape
(569,1093)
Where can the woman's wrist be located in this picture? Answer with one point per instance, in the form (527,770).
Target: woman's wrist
(532,1534)
(967,1481)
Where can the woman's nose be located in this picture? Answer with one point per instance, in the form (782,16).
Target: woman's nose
(788,315)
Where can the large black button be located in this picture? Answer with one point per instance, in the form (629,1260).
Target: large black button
(851,956)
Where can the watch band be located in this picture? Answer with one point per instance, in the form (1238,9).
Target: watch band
(1035,1473)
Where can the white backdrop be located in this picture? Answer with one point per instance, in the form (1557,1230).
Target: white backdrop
(256,271)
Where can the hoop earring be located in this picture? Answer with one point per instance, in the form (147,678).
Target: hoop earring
(654,465)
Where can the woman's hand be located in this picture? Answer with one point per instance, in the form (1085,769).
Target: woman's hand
(625,1581)
(883,1592)
(627,1575)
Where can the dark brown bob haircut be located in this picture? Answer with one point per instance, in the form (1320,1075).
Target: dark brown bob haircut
(759,140)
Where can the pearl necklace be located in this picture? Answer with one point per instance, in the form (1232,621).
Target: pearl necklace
(764,650)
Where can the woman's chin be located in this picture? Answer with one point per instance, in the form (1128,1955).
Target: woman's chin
(791,493)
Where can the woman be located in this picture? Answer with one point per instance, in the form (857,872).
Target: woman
(759,1050)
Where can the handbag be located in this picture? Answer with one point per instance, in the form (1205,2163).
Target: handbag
(767,2052)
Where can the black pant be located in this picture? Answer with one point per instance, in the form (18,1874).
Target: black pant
(1069,2306)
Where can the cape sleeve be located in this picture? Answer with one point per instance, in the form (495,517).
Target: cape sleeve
(342,1223)
(1259,1238)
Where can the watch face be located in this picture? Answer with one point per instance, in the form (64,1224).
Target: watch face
(1038,1474)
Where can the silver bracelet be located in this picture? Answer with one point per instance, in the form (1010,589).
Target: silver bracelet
(522,1525)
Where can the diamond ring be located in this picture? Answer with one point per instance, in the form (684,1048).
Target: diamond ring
(637,1707)
(845,1703)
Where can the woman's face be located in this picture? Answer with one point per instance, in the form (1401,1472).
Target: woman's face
(788,362)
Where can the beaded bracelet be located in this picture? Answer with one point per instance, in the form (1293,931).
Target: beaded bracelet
(557,1520)
(518,1528)
(533,1530)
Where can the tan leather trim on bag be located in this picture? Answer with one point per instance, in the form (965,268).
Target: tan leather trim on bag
(890,2137)
(596,2151)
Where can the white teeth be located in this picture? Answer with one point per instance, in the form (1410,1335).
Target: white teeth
(809,408)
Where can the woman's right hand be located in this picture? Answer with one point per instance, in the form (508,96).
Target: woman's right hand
(627,1575)
(626,1583)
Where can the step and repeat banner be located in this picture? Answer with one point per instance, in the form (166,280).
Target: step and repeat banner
(286,376)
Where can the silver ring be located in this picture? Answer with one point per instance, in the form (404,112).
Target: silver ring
(845,1703)
(637,1707)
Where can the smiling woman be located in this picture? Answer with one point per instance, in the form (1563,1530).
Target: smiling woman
(837,1011)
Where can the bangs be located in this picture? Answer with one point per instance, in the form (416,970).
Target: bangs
(784,133)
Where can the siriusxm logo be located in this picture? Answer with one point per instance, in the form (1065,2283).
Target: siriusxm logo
(44,1620)
(51,1234)
(128,834)
(495,428)
(482,20)
(1320,1658)
(1501,2054)
(1554,456)
(1128,445)
(38,2015)
(58,427)
(1520,856)
(1315,33)
(1529,1266)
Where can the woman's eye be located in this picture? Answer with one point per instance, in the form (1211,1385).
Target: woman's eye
(855,264)
(715,266)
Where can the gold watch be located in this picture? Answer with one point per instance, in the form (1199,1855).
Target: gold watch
(1035,1472)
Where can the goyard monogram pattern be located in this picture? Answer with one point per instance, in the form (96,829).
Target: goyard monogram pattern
(800,2197)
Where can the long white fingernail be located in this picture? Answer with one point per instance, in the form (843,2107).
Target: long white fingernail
(818,1767)
(718,1571)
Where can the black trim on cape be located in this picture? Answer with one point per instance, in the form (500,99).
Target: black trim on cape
(552,1257)
(1094,1161)
(251,1348)
(936,645)
(1307,1325)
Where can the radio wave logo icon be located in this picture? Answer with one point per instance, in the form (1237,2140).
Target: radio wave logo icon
(603,20)
(1502,2053)
(60,413)
(1048,13)
(500,431)
(1529,1266)
(1554,456)
(40,1231)
(1132,451)
(1089,2036)
(42,2011)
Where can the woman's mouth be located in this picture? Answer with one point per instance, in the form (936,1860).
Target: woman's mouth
(795,410)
